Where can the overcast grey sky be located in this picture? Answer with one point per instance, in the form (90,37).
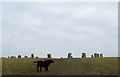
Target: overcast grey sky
(59,28)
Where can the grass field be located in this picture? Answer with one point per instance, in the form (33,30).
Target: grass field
(75,66)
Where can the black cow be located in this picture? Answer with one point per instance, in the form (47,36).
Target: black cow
(44,64)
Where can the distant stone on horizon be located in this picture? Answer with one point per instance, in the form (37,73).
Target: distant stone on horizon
(69,55)
(92,56)
(101,55)
(19,56)
(95,54)
(83,55)
(25,56)
(49,56)
(36,57)
(12,57)
(32,55)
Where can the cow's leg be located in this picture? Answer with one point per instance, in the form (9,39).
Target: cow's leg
(40,69)
(47,68)
(37,68)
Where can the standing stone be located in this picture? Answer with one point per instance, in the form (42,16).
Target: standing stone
(69,55)
(49,55)
(37,57)
(25,56)
(101,55)
(12,57)
(32,55)
(83,55)
(8,57)
(61,57)
(95,54)
(19,56)
(92,56)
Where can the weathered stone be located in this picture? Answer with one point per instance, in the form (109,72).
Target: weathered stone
(12,57)
(101,55)
(69,55)
(19,56)
(49,56)
(32,55)
(92,56)
(95,54)
(37,57)
(25,56)
(61,57)
(2,57)
(83,55)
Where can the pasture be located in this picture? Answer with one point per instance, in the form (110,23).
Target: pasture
(73,66)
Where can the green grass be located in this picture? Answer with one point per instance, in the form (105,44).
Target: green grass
(75,66)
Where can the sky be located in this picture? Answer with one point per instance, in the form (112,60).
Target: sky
(0,30)
(59,28)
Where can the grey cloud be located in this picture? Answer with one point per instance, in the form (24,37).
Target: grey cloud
(59,28)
